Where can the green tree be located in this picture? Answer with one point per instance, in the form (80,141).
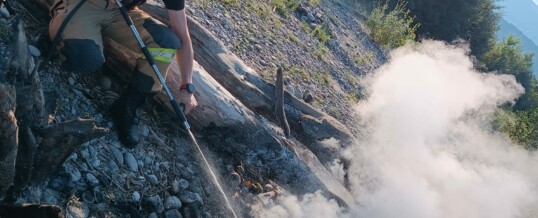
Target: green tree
(507,58)
(471,20)
(391,28)
(520,126)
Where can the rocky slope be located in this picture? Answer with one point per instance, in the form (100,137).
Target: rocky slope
(323,48)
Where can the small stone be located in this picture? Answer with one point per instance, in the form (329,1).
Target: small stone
(110,124)
(174,213)
(3,20)
(34,51)
(307,97)
(153,215)
(189,197)
(98,195)
(263,63)
(318,15)
(156,202)
(172,202)
(258,46)
(183,184)
(153,179)
(175,186)
(74,173)
(207,215)
(5,13)
(148,160)
(71,81)
(135,197)
(112,166)
(104,82)
(268,187)
(311,17)
(117,155)
(91,179)
(253,40)
(87,197)
(145,130)
(131,161)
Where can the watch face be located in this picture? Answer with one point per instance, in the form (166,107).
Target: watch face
(191,88)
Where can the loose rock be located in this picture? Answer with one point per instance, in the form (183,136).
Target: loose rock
(183,184)
(172,214)
(153,179)
(189,197)
(91,179)
(135,197)
(71,81)
(175,186)
(172,202)
(156,202)
(131,161)
(34,51)
(153,215)
(117,155)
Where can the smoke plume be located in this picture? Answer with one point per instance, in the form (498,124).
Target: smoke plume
(428,149)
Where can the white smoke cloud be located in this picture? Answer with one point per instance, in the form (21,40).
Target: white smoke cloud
(427,149)
(311,205)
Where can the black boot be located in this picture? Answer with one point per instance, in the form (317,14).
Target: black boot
(125,118)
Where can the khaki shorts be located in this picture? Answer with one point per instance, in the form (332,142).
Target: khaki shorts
(81,47)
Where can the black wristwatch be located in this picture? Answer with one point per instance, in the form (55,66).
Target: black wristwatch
(189,87)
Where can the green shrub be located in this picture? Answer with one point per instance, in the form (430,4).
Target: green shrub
(285,7)
(322,33)
(391,29)
(520,126)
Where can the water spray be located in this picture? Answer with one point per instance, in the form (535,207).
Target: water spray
(177,108)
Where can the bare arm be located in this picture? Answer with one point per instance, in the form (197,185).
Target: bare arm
(178,21)
(184,56)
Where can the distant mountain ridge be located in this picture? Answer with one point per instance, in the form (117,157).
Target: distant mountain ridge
(523,14)
(527,45)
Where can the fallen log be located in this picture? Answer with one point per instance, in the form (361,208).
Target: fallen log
(8,137)
(59,142)
(30,210)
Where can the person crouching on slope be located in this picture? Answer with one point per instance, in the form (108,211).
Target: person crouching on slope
(81,51)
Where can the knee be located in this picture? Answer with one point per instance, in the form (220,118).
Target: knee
(81,55)
(161,34)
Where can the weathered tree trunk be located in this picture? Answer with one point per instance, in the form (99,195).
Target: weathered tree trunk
(59,142)
(8,137)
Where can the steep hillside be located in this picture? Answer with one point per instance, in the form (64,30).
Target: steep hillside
(323,46)
(325,53)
